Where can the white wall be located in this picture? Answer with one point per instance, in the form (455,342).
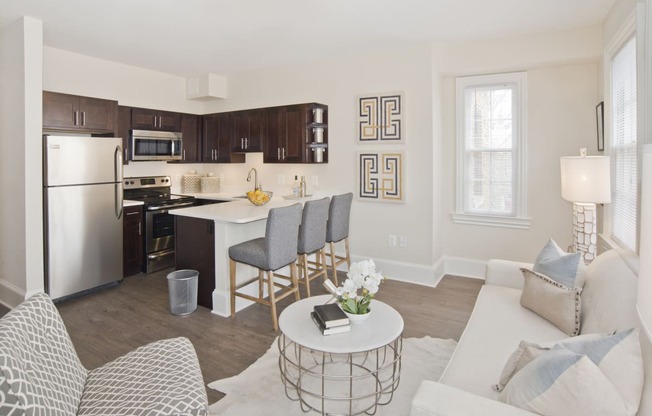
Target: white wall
(563,79)
(73,73)
(21,239)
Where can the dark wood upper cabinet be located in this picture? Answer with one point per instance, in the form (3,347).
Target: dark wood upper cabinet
(190,128)
(146,119)
(216,140)
(290,134)
(67,112)
(247,131)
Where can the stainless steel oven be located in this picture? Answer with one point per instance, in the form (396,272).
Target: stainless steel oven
(159,223)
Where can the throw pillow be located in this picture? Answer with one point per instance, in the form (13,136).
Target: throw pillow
(619,357)
(528,351)
(553,301)
(565,268)
(562,382)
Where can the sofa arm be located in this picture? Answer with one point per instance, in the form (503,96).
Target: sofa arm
(505,273)
(436,399)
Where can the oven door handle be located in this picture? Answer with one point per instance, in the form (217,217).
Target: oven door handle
(162,207)
(160,254)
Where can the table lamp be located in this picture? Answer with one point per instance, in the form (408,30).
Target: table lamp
(585,181)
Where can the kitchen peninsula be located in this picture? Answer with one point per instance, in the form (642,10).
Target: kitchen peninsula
(214,228)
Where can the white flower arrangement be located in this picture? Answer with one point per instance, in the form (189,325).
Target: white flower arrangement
(361,275)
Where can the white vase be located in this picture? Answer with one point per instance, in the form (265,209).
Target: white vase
(356,318)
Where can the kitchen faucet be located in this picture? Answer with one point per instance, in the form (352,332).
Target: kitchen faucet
(256,187)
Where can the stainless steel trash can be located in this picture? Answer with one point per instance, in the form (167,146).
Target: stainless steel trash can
(182,286)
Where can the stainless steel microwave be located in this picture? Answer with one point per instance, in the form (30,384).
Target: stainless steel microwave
(156,145)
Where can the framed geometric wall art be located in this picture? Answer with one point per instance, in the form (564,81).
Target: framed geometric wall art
(381,118)
(380,176)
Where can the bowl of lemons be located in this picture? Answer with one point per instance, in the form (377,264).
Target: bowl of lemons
(259,197)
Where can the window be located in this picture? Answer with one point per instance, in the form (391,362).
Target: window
(491,150)
(623,148)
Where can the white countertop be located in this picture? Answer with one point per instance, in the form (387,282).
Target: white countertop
(238,211)
(130,203)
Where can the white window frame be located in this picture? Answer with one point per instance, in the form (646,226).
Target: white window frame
(519,218)
(624,35)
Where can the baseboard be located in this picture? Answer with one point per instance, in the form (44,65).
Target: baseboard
(461,266)
(426,275)
(10,295)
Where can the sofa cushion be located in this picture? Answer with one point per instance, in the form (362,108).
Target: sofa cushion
(609,294)
(38,361)
(562,382)
(161,378)
(496,326)
(557,303)
(565,268)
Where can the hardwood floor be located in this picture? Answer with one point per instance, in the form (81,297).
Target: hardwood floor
(108,324)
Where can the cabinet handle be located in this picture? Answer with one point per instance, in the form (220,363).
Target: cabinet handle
(83,118)
(246,143)
(132,213)
(214,154)
(278,153)
(139,228)
(74,118)
(184,154)
(283,153)
(241,143)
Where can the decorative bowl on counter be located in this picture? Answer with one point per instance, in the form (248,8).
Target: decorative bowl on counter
(259,197)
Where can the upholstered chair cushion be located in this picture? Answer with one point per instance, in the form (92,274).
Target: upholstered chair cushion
(39,367)
(312,231)
(339,214)
(279,247)
(173,385)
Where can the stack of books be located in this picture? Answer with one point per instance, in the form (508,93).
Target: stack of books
(330,319)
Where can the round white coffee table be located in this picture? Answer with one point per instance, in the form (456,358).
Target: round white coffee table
(347,373)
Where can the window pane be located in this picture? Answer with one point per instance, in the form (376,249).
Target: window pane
(490,187)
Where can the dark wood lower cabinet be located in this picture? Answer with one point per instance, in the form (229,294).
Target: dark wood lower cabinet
(132,240)
(194,241)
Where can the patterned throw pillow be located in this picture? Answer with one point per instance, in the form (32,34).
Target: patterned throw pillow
(590,374)
(565,268)
(559,304)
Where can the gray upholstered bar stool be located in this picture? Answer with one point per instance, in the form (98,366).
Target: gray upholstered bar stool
(337,229)
(277,249)
(312,240)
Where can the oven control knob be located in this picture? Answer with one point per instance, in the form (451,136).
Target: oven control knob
(126,182)
(131,182)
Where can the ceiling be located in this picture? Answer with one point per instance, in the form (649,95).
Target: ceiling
(195,37)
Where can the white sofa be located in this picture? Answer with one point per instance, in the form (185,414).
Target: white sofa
(498,323)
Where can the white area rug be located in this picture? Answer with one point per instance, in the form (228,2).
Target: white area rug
(259,391)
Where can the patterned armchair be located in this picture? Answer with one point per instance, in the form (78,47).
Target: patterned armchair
(40,372)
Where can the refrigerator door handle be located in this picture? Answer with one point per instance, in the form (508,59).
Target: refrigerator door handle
(117,158)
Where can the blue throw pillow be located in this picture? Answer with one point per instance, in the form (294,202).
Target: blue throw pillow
(560,266)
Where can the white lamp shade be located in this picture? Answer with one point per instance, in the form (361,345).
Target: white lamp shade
(585,179)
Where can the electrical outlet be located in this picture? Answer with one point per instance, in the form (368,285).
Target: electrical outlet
(281,179)
(315,180)
(392,240)
(403,241)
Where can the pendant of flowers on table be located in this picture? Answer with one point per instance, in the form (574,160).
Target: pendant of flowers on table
(361,276)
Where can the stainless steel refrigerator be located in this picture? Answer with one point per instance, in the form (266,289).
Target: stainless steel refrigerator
(83,213)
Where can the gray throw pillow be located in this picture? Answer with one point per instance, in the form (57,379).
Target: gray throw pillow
(565,268)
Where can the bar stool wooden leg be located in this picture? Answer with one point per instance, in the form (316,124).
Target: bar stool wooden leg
(304,269)
(272,298)
(321,257)
(233,288)
(347,254)
(261,284)
(295,281)
(333,262)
